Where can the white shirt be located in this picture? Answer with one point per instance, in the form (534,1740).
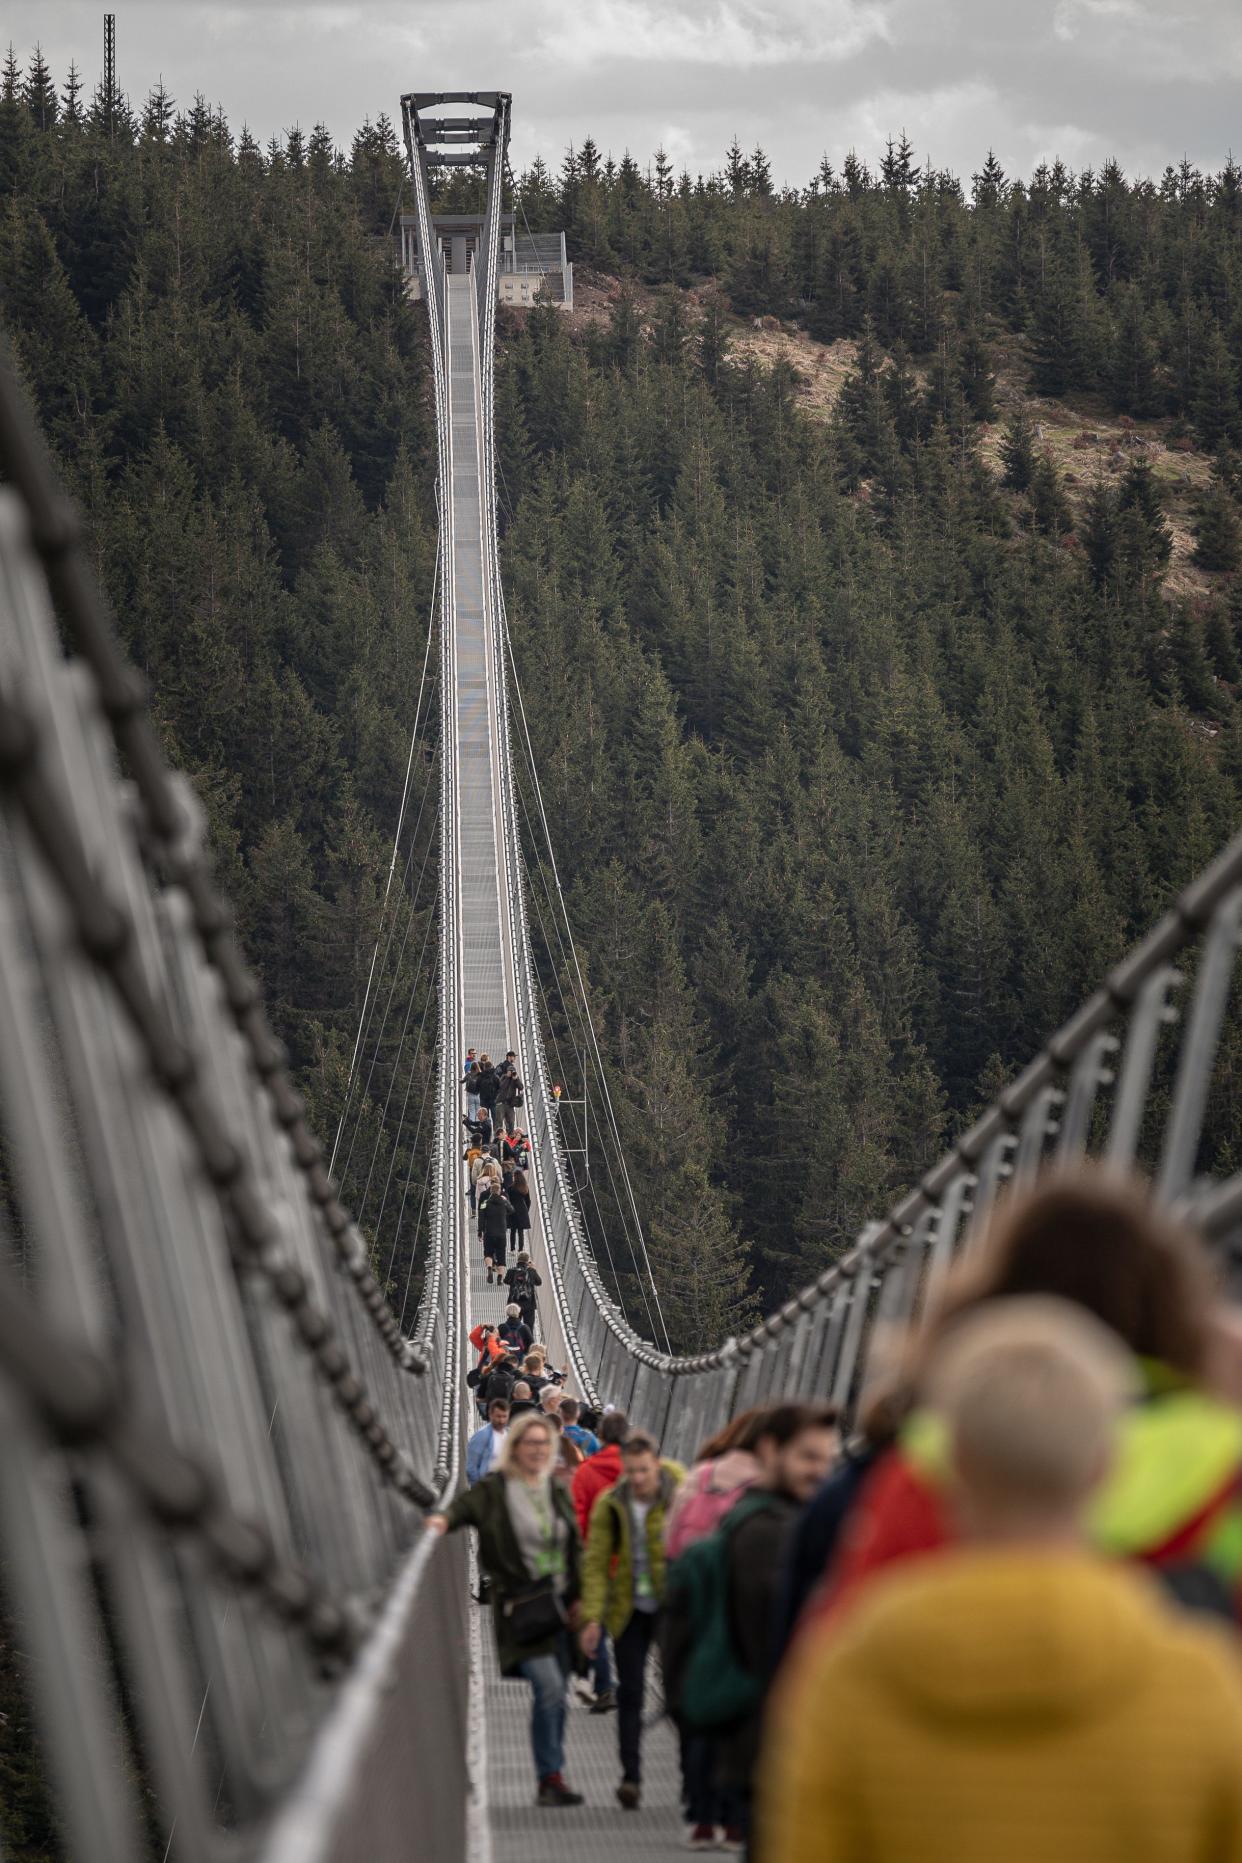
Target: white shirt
(644,1592)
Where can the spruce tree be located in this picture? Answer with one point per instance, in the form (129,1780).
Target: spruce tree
(1218,535)
(1099,534)
(39,92)
(1065,342)
(1017,452)
(1144,540)
(1215,406)
(1220,644)
(1133,359)
(978,377)
(713,338)
(1050,508)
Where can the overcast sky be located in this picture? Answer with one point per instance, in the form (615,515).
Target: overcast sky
(1145,80)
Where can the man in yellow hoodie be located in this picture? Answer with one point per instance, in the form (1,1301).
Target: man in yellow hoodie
(1013,1699)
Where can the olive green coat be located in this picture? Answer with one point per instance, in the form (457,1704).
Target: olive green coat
(608,1564)
(485,1508)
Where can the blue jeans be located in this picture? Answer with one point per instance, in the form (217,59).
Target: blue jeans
(472,1105)
(602,1675)
(547,1712)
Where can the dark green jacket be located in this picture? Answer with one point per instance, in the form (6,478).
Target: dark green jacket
(485,1508)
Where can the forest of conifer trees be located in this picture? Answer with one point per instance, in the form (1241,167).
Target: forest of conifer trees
(865,757)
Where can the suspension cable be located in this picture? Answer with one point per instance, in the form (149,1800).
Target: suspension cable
(392,990)
(603,1227)
(617,1199)
(517,687)
(392,865)
(392,1081)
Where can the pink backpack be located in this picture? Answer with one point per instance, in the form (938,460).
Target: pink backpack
(701,1506)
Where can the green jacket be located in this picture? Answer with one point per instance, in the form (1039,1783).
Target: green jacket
(608,1566)
(485,1508)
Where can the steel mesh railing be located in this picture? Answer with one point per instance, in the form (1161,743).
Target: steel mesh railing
(218,1443)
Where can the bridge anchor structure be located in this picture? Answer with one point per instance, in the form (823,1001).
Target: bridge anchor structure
(220,1441)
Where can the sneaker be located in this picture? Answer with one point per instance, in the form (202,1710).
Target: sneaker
(701,1837)
(605,1702)
(629,1794)
(583,1690)
(553,1791)
(733,1841)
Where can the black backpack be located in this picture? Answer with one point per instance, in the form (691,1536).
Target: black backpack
(520,1285)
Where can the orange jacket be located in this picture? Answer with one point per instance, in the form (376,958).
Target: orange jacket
(495,1349)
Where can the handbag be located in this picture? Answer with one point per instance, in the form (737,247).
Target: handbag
(535,1613)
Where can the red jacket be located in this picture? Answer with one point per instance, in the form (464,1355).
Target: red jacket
(898,1515)
(599,1471)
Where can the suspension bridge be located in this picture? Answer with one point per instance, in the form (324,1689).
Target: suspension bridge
(221,1442)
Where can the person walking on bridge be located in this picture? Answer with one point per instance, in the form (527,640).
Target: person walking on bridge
(717,1645)
(488,1085)
(519,1209)
(601,1470)
(586,1440)
(484,1447)
(623,1587)
(515,1334)
(521,1281)
(510,1095)
(470,1081)
(494,1213)
(1016,1698)
(529,1550)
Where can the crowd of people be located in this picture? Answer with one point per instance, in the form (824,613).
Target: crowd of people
(497,1160)
(996,1618)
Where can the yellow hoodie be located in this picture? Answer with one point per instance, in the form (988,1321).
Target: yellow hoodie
(1008,1706)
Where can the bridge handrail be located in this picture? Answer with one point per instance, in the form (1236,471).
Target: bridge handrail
(173,826)
(181,1287)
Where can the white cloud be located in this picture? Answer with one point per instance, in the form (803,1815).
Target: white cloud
(1145,80)
(1070,15)
(736,33)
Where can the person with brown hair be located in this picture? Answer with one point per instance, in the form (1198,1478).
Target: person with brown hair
(717,1638)
(1016,1698)
(623,1586)
(1096,1239)
(725,1467)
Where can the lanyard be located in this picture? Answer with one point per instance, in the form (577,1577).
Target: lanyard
(550,1560)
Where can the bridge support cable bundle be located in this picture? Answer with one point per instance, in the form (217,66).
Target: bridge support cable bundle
(218,1442)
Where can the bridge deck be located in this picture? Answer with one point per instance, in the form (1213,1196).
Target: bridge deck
(520,1832)
(598,1830)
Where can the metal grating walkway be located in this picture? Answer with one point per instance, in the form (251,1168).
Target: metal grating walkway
(520,1832)
(488,984)
(598,1831)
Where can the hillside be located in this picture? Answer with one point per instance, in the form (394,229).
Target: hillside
(1082,436)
